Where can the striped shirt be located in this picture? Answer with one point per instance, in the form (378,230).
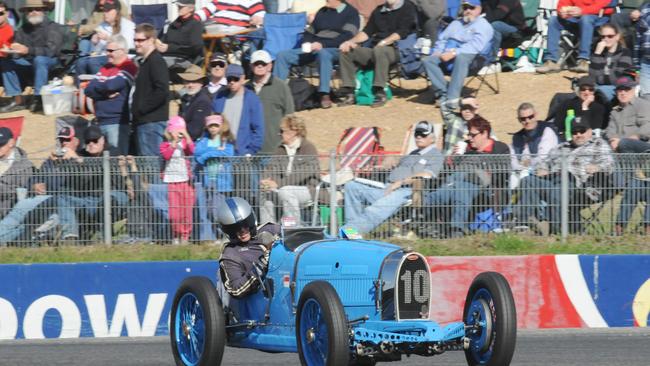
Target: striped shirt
(233,14)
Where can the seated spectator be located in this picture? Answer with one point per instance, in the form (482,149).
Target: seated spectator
(110,91)
(642,48)
(139,207)
(6,30)
(629,125)
(196,103)
(626,19)
(88,26)
(183,41)
(590,162)
(113,24)
(15,171)
(334,24)
(458,45)
(533,142)
(473,172)
(292,174)
(506,18)
(455,125)
(585,105)
(636,191)
(211,153)
(610,60)
(576,16)
(36,48)
(365,8)
(177,174)
(217,74)
(430,13)
(311,7)
(424,162)
(233,15)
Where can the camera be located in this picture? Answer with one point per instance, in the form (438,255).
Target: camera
(60,152)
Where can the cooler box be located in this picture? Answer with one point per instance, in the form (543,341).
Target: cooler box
(57,99)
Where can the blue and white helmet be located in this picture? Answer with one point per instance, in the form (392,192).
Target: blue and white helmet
(235,213)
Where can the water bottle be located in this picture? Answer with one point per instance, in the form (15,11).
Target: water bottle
(570,116)
(426,46)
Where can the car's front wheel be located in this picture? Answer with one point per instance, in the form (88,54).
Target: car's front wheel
(321,327)
(491,321)
(197,324)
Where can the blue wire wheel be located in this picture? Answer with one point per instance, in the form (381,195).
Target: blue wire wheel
(190,329)
(481,313)
(313,331)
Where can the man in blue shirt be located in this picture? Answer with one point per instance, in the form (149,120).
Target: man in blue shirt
(458,44)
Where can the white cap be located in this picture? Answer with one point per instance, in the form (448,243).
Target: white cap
(261,55)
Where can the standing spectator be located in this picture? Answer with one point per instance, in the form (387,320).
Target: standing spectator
(217,74)
(196,103)
(610,60)
(388,24)
(334,24)
(177,175)
(585,105)
(275,96)
(458,44)
(430,13)
(113,24)
(183,41)
(212,153)
(110,92)
(36,48)
(15,171)
(506,18)
(150,106)
(293,173)
(243,109)
(6,30)
(629,125)
(233,15)
(576,16)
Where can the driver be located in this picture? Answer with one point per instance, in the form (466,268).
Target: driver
(244,260)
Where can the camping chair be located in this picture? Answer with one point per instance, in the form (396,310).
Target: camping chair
(484,61)
(15,124)
(590,202)
(154,14)
(524,43)
(283,31)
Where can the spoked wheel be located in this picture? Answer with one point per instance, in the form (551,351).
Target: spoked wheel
(197,326)
(321,327)
(491,319)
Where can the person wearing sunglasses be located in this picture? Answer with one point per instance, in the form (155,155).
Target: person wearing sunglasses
(36,48)
(183,42)
(587,104)
(610,60)
(629,125)
(6,30)
(217,73)
(15,171)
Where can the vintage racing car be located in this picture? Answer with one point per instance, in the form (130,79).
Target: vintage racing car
(338,302)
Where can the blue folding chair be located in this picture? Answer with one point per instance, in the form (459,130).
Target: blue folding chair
(154,14)
(453,8)
(283,31)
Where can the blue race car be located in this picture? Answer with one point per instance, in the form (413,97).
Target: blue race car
(341,302)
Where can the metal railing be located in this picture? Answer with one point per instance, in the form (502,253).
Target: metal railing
(122,200)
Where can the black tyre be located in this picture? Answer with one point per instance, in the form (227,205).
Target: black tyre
(490,311)
(197,324)
(321,327)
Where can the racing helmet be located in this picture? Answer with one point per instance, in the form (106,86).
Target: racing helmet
(235,213)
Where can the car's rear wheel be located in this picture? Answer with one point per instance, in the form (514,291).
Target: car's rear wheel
(197,324)
(321,327)
(492,320)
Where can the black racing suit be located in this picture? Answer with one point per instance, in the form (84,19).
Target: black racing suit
(242,265)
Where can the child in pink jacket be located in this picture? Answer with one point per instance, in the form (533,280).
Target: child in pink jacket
(177,174)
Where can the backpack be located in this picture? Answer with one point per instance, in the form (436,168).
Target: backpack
(409,58)
(363,91)
(304,94)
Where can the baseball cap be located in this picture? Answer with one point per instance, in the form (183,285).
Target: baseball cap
(473,3)
(580,124)
(176,123)
(587,81)
(65,133)
(625,82)
(192,73)
(184,2)
(93,133)
(423,128)
(234,70)
(5,136)
(218,56)
(214,119)
(261,56)
(112,4)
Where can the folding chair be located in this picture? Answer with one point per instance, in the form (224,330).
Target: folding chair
(360,149)
(15,124)
(154,14)
(283,31)
(522,44)
(486,60)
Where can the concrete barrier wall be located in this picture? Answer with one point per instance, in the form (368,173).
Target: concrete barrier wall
(134,299)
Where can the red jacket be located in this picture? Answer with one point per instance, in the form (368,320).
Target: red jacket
(166,151)
(6,37)
(589,7)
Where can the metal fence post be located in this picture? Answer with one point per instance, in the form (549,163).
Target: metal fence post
(108,227)
(333,223)
(564,196)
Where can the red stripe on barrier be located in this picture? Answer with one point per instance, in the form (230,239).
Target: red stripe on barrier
(557,310)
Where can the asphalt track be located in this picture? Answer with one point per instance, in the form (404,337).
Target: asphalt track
(593,347)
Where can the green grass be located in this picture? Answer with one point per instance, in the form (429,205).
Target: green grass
(469,246)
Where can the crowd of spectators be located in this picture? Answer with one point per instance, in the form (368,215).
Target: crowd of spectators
(245,109)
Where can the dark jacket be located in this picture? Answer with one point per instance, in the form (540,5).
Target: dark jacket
(305,170)
(331,28)
(523,138)
(619,62)
(241,265)
(194,109)
(184,38)
(250,134)
(45,39)
(596,115)
(17,176)
(508,11)
(277,102)
(112,79)
(383,23)
(479,168)
(151,95)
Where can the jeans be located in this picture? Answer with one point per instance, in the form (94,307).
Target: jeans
(448,90)
(645,78)
(117,136)
(637,191)
(534,190)
(13,224)
(585,25)
(326,58)
(40,66)
(607,90)
(457,194)
(292,199)
(68,205)
(90,65)
(501,31)
(633,146)
(382,206)
(149,137)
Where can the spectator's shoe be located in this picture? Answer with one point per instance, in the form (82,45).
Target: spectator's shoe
(581,67)
(36,105)
(13,107)
(380,100)
(347,99)
(325,101)
(48,227)
(549,67)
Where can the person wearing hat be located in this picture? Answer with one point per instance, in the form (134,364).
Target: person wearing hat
(15,170)
(425,161)
(275,96)
(110,91)
(457,45)
(629,124)
(217,73)
(196,103)
(36,48)
(217,142)
(587,104)
(182,44)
